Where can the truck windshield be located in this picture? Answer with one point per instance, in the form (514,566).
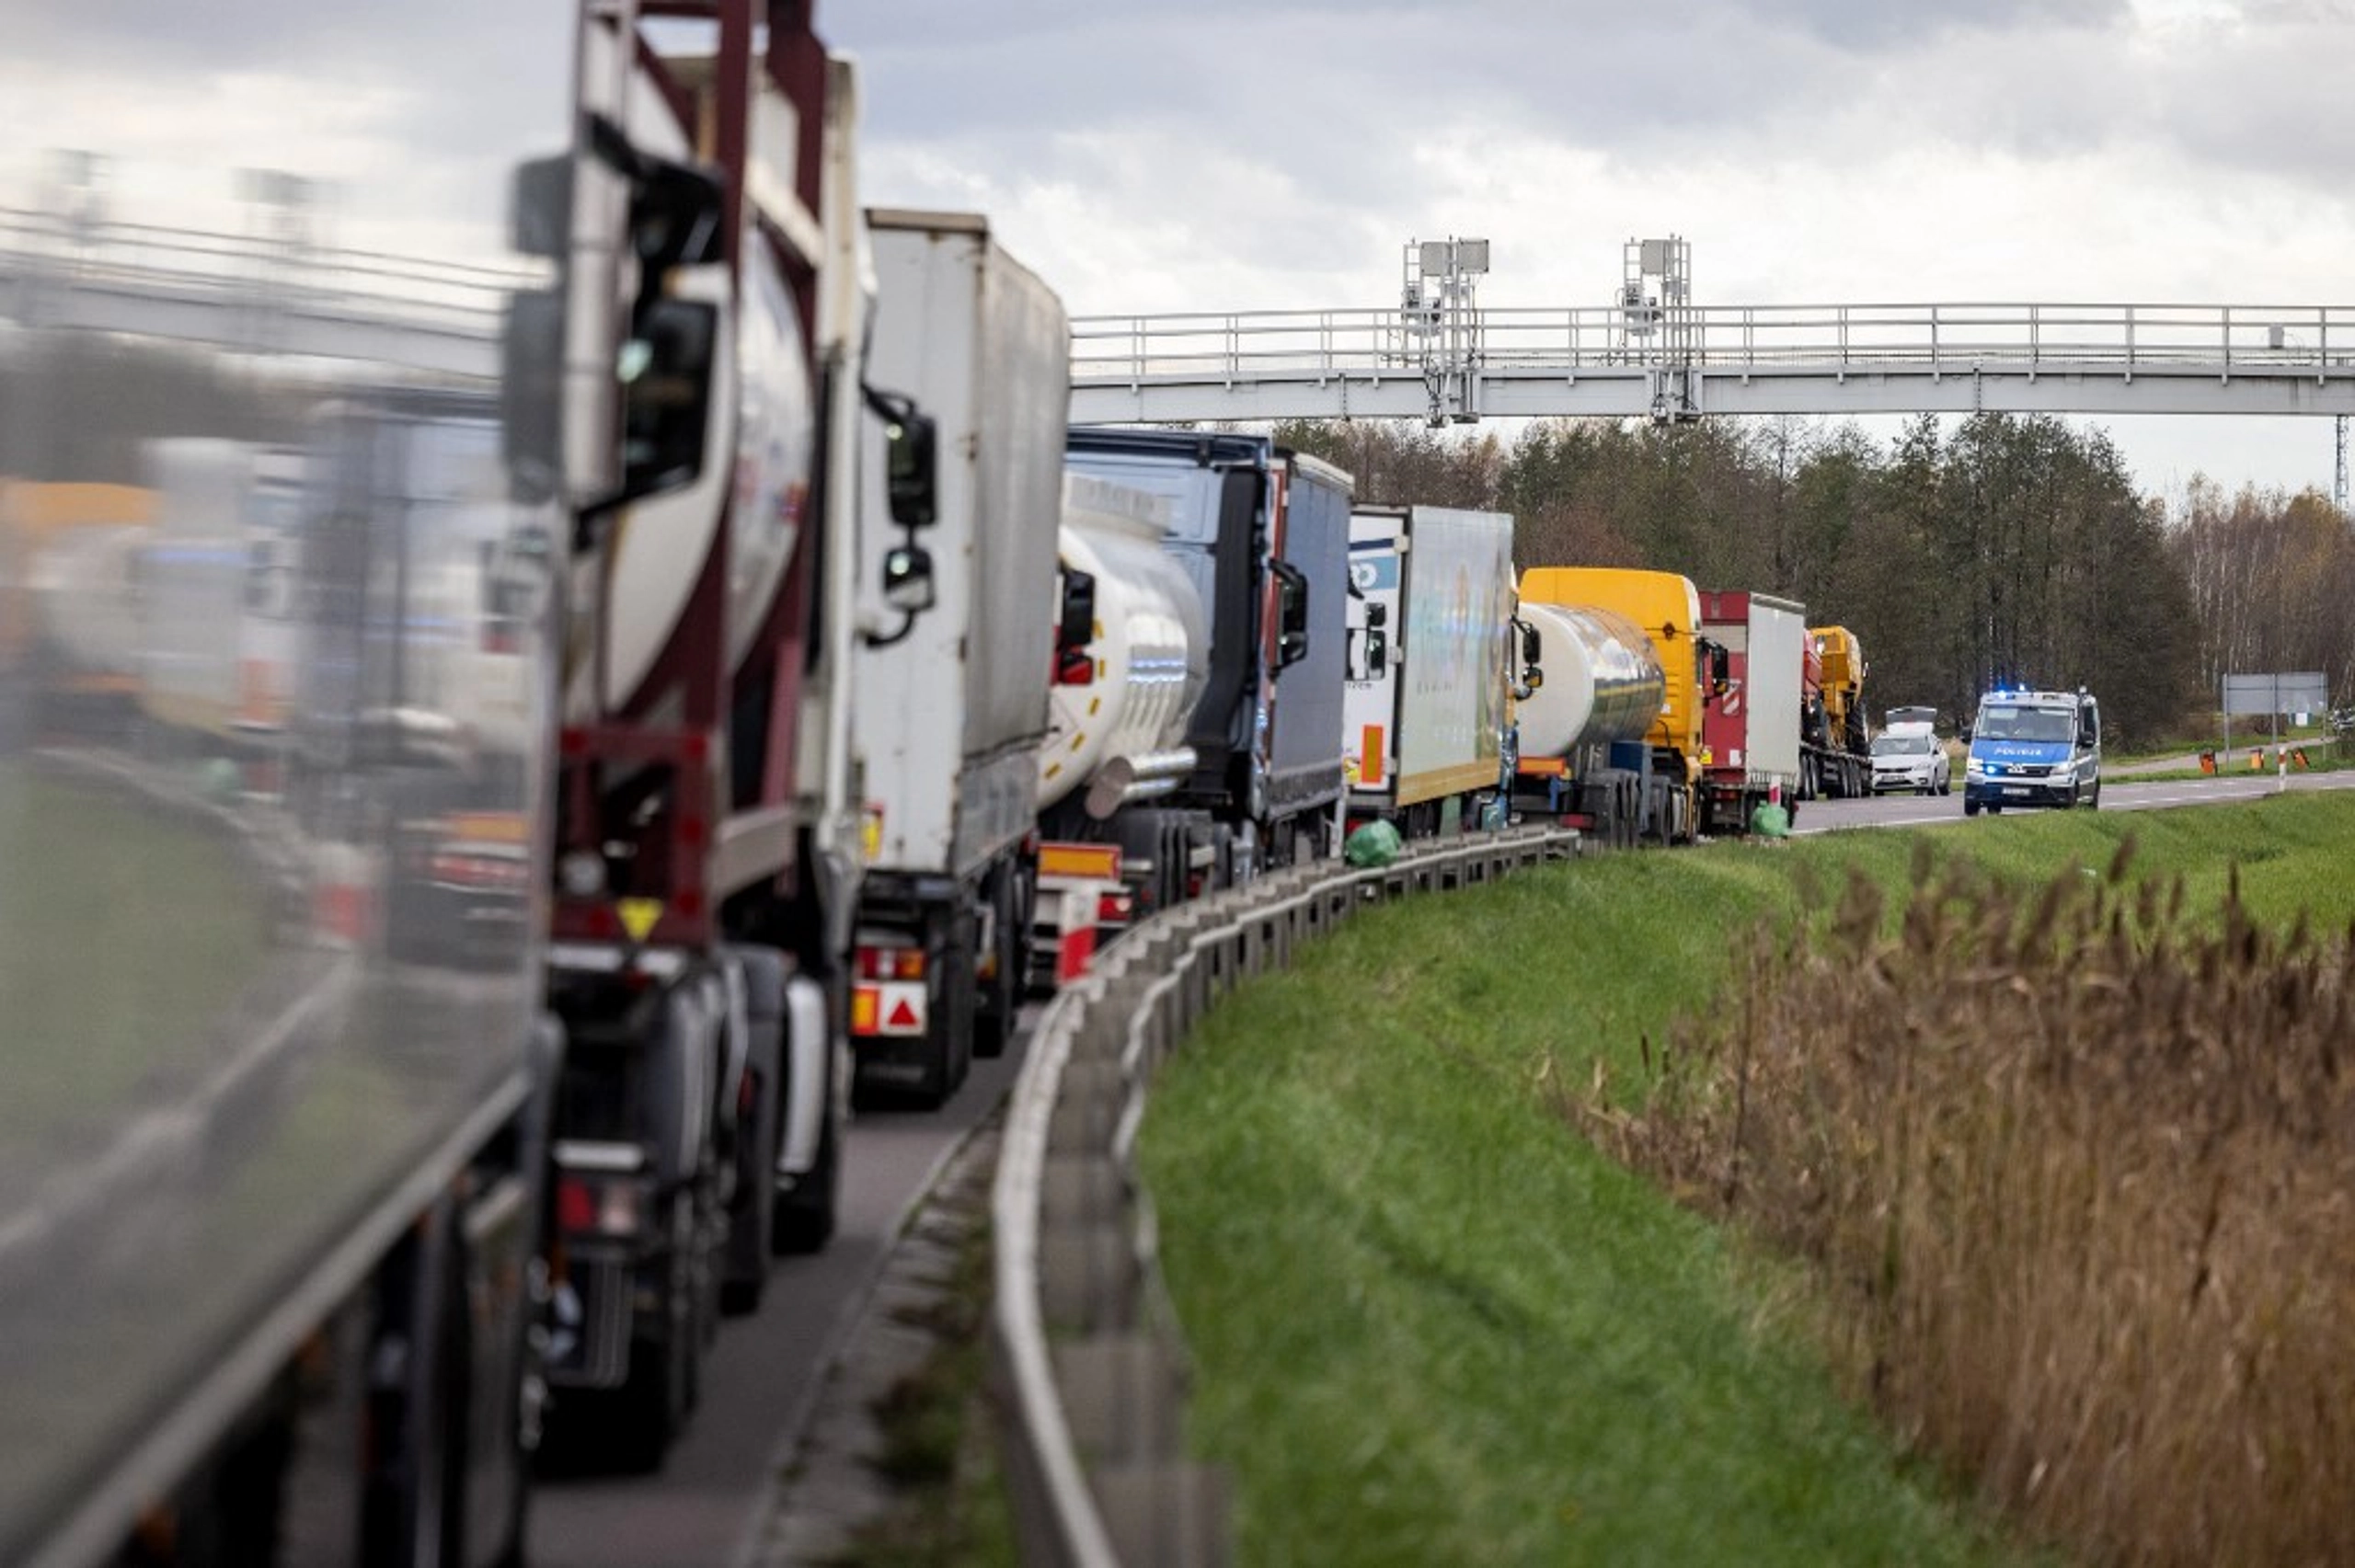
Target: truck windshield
(2026,723)
(1901,745)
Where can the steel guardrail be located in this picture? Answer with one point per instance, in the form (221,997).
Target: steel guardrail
(1086,1354)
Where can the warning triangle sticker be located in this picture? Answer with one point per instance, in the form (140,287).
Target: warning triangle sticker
(902,1016)
(638,915)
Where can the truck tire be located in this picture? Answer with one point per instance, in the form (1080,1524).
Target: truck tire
(650,1409)
(745,1279)
(1010,921)
(520,1436)
(511,1438)
(413,1507)
(960,1009)
(746,1258)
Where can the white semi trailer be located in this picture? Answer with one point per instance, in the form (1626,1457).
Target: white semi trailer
(1433,670)
(1751,731)
(952,700)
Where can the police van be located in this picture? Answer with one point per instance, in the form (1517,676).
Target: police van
(2034,749)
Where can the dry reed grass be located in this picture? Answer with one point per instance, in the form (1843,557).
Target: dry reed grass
(2079,1177)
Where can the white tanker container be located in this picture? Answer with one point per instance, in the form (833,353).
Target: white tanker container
(1603,682)
(1118,721)
(755,478)
(1131,663)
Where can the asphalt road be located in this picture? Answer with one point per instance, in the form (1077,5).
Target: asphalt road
(703,1508)
(2117,794)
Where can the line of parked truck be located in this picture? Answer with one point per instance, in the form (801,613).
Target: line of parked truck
(618,765)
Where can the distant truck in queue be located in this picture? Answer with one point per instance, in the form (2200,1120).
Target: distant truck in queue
(1611,742)
(1751,732)
(1433,666)
(2034,749)
(1262,536)
(1835,751)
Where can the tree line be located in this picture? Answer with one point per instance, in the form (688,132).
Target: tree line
(2006,549)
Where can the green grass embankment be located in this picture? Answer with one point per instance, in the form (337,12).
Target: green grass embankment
(1435,1324)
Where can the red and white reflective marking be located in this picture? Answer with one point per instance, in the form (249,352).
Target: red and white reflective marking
(896,1008)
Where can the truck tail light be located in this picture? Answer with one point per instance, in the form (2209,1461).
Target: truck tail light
(575,1209)
(587,1206)
(890,963)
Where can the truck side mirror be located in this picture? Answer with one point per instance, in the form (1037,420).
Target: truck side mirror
(666,373)
(1292,615)
(666,367)
(1720,669)
(1076,626)
(907,578)
(911,469)
(1533,647)
(1377,651)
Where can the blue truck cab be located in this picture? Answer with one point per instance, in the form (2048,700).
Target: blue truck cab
(2034,749)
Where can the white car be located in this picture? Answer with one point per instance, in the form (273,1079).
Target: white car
(1909,757)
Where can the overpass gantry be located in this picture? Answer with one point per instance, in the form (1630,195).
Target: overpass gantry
(1651,352)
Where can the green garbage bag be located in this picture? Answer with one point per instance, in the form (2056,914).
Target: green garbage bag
(1376,843)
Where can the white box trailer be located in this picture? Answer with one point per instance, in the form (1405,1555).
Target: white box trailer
(1429,649)
(950,703)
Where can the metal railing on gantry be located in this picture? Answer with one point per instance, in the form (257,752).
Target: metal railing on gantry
(1683,362)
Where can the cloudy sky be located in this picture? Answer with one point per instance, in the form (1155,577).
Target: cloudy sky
(398,112)
(1234,154)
